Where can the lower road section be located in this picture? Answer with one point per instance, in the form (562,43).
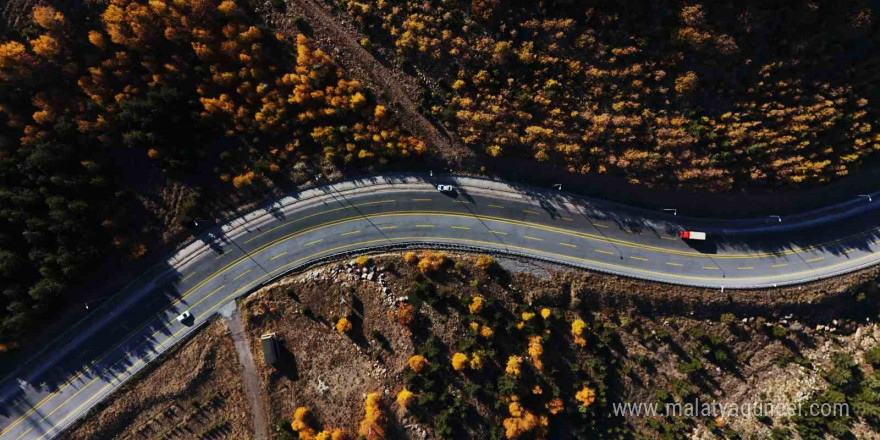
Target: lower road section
(52,389)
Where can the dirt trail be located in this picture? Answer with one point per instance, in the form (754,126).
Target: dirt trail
(249,369)
(339,39)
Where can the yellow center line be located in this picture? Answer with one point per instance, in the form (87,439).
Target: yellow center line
(222,254)
(745,268)
(639,258)
(669,238)
(499,232)
(241,274)
(279,255)
(675,264)
(313,242)
(88,402)
(425,226)
(568,244)
(421,200)
(532,238)
(349,233)
(24,433)
(780,265)
(187,277)
(600,225)
(387,227)
(710,267)
(488,218)
(530,212)
(461,227)
(567,219)
(812,260)
(461,201)
(495,206)
(315,215)
(601,251)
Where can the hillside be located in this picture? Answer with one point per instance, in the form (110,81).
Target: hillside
(430,345)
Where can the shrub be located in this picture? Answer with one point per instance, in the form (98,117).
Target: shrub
(343,325)
(432,262)
(363,261)
(417,362)
(410,257)
(459,361)
(373,425)
(555,406)
(486,332)
(486,263)
(405,397)
(476,305)
(514,366)
(779,331)
(536,351)
(728,318)
(577,331)
(302,420)
(586,396)
(405,314)
(476,362)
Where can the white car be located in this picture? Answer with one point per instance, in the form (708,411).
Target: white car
(445,188)
(184,316)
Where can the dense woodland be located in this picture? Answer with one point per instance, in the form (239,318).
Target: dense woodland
(87,103)
(715,95)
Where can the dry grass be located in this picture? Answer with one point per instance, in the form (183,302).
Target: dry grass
(195,393)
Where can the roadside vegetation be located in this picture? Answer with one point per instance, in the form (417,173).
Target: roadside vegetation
(463,347)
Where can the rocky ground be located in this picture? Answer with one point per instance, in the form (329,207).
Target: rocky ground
(776,344)
(650,342)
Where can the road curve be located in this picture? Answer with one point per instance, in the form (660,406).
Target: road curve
(53,388)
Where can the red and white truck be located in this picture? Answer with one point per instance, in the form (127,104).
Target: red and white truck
(692,235)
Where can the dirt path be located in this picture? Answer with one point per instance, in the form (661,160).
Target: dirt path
(339,39)
(249,369)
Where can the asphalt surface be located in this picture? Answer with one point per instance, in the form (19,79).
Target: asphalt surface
(54,388)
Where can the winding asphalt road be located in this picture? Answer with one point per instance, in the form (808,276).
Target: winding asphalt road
(52,389)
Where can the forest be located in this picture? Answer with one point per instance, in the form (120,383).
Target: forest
(176,86)
(716,95)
